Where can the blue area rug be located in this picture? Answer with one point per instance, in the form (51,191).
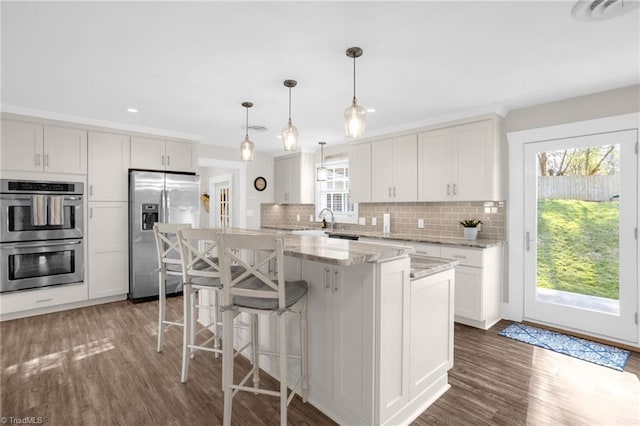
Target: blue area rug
(597,353)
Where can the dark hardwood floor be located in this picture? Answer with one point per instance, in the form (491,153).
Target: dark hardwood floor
(98,366)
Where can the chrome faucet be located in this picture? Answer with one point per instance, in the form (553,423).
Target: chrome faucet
(333,224)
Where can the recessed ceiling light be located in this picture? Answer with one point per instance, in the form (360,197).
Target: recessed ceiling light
(371,110)
(132,110)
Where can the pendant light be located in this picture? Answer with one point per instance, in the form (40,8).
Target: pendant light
(290,133)
(322,171)
(246,147)
(354,115)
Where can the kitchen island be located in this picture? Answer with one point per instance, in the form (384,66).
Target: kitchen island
(380,343)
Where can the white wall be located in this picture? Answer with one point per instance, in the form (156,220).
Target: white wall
(262,165)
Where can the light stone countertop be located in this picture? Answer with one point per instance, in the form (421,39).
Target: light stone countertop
(332,251)
(423,266)
(455,242)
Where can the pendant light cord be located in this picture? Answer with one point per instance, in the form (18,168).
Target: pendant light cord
(289,105)
(354,78)
(246,135)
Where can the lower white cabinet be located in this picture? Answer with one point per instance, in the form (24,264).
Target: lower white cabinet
(108,263)
(478,295)
(341,318)
(46,297)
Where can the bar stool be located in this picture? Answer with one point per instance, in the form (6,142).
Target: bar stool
(256,293)
(201,271)
(169,264)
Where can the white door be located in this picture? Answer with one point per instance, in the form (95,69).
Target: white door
(221,204)
(580,222)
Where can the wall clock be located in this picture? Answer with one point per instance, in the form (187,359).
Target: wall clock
(260,183)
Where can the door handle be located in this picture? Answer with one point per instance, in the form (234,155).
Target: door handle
(168,160)
(326,279)
(448,189)
(335,281)
(46,160)
(162,159)
(454,189)
(37,159)
(389,192)
(394,191)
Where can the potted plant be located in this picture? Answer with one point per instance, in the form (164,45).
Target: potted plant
(470,227)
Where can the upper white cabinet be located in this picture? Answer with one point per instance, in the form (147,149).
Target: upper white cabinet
(156,154)
(360,173)
(33,147)
(294,176)
(108,165)
(460,163)
(394,170)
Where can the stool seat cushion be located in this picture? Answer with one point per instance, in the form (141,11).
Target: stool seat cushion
(215,281)
(199,265)
(294,291)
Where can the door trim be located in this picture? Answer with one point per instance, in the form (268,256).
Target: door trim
(513,306)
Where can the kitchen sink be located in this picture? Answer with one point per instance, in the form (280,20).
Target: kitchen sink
(352,237)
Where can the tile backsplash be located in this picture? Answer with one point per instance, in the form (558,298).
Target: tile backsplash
(440,219)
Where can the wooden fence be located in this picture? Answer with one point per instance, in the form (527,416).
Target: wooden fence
(588,188)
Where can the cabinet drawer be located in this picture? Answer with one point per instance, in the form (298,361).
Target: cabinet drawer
(428,250)
(41,298)
(467,257)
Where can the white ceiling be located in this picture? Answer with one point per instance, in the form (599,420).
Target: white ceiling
(187,67)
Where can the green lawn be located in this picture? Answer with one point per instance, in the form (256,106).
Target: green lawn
(578,247)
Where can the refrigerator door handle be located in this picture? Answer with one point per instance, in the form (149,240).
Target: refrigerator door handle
(163,206)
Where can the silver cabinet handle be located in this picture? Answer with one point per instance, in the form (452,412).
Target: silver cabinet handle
(448,189)
(37,159)
(458,256)
(44,300)
(335,281)
(326,279)
(389,192)
(394,191)
(91,213)
(168,160)
(91,190)
(46,160)
(527,241)
(454,189)
(162,159)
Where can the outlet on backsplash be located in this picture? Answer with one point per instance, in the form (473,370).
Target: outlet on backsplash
(374,221)
(421,223)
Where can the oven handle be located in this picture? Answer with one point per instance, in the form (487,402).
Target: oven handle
(43,244)
(29,198)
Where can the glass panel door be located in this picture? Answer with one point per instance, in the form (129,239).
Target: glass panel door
(580,223)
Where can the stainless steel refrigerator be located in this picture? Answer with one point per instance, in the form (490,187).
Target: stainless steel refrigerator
(156,197)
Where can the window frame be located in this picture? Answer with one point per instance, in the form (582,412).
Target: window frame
(339,217)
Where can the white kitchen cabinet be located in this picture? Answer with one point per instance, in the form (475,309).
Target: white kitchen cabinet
(294,178)
(42,298)
(478,295)
(394,170)
(33,147)
(108,250)
(157,154)
(360,173)
(341,318)
(431,347)
(108,165)
(460,163)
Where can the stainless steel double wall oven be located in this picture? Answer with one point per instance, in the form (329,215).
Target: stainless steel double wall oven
(41,234)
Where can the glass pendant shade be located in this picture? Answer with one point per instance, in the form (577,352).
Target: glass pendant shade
(290,137)
(322,174)
(354,120)
(246,150)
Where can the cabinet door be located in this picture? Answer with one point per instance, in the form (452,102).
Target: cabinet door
(147,154)
(282,188)
(393,324)
(431,341)
(353,318)
(108,165)
(360,173)
(405,169)
(468,299)
(434,166)
(295,170)
(65,150)
(474,169)
(320,321)
(108,250)
(180,157)
(21,147)
(381,171)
